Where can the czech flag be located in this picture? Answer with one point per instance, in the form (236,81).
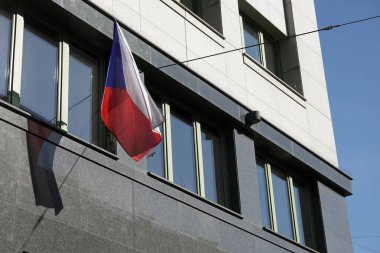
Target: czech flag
(127,109)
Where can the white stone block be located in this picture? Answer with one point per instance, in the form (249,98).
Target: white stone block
(311,62)
(266,111)
(199,44)
(324,151)
(235,67)
(231,27)
(320,127)
(161,39)
(127,15)
(168,22)
(316,95)
(104,4)
(277,18)
(299,134)
(292,110)
(307,8)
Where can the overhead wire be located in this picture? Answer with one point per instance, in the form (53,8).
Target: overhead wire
(327,28)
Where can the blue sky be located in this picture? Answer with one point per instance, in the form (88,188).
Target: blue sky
(351,57)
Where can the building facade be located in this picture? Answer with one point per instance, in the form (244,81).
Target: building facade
(217,182)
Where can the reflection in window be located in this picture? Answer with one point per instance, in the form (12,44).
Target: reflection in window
(208,10)
(251,37)
(212,166)
(39,76)
(272,58)
(262,184)
(301,201)
(282,204)
(82,80)
(184,170)
(263,50)
(5,30)
(155,158)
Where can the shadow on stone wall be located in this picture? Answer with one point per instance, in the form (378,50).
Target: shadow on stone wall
(41,159)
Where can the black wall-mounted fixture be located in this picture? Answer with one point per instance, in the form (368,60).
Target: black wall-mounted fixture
(252,117)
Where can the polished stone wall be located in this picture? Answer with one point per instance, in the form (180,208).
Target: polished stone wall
(92,201)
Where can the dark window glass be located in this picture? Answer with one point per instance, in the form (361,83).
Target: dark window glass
(39,76)
(271,56)
(304,218)
(184,170)
(208,10)
(264,203)
(251,37)
(82,81)
(155,158)
(282,203)
(5,30)
(212,165)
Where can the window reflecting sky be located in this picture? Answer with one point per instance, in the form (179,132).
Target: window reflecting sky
(82,74)
(251,38)
(155,158)
(211,165)
(39,76)
(183,153)
(264,204)
(282,204)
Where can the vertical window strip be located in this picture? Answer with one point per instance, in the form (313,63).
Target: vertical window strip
(15,67)
(262,49)
(199,158)
(293,209)
(168,144)
(272,207)
(63,85)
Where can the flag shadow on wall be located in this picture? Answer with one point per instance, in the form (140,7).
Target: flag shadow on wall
(41,153)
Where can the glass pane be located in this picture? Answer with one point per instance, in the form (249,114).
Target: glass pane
(212,166)
(303,209)
(39,76)
(272,60)
(208,10)
(263,191)
(297,200)
(251,37)
(282,204)
(184,170)
(82,79)
(190,4)
(155,158)
(5,30)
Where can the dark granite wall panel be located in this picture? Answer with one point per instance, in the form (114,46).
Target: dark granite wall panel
(335,220)
(247,176)
(110,206)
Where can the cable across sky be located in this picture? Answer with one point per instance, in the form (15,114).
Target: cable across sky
(327,28)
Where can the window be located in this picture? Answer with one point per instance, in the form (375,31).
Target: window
(5,38)
(53,78)
(208,10)
(83,84)
(267,54)
(39,75)
(285,203)
(193,155)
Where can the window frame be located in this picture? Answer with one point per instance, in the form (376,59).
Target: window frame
(291,178)
(197,121)
(199,17)
(246,21)
(65,43)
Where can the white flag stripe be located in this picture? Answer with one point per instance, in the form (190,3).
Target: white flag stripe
(135,87)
